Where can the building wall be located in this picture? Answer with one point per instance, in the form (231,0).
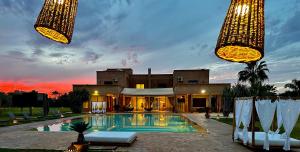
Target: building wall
(194,85)
(152,81)
(114,77)
(138,79)
(200,76)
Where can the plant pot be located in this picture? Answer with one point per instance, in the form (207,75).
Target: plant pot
(226,113)
(148,109)
(81,147)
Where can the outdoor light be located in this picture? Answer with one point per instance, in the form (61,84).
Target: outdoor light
(56,20)
(203,91)
(15,121)
(96,93)
(242,36)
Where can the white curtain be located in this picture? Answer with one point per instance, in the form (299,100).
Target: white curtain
(246,117)
(238,111)
(104,106)
(265,110)
(290,113)
(279,118)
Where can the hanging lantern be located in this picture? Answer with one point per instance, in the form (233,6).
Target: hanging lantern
(242,36)
(56,20)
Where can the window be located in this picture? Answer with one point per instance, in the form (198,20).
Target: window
(139,86)
(199,102)
(85,104)
(193,81)
(179,79)
(162,85)
(108,82)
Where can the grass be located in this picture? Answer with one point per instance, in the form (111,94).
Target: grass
(36,111)
(295,133)
(27,150)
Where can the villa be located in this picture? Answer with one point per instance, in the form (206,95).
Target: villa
(181,91)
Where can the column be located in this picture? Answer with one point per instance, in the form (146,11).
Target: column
(209,101)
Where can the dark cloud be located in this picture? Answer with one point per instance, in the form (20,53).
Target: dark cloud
(56,54)
(18,55)
(90,57)
(37,52)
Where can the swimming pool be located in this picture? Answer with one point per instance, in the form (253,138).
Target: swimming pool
(137,122)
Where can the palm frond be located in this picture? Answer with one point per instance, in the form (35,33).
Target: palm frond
(80,127)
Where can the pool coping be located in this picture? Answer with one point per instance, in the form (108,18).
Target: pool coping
(197,127)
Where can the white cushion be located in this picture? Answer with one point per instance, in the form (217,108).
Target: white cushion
(274,139)
(110,137)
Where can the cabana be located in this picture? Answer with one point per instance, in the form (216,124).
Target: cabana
(287,113)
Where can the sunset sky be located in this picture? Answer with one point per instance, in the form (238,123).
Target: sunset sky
(161,34)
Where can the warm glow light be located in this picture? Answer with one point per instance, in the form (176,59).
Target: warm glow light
(59,1)
(96,93)
(239,54)
(52,34)
(139,86)
(203,91)
(242,9)
(241,38)
(56,20)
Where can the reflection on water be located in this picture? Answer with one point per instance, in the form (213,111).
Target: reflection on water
(129,122)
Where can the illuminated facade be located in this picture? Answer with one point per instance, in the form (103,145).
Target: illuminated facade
(181,91)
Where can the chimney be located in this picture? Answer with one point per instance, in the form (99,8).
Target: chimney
(149,77)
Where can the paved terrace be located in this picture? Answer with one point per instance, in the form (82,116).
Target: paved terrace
(217,138)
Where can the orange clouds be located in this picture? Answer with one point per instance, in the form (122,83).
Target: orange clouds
(41,87)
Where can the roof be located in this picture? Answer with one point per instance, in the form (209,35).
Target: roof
(148,92)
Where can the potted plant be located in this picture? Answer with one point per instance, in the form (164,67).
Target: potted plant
(81,145)
(128,108)
(148,109)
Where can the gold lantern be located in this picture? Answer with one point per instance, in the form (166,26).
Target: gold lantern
(56,20)
(242,36)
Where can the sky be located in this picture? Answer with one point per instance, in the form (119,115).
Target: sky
(160,34)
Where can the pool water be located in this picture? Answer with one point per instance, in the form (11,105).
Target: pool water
(137,122)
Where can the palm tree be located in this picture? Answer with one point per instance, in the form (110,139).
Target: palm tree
(55,94)
(255,74)
(294,86)
(267,90)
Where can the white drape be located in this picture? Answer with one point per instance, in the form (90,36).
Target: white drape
(265,110)
(290,113)
(279,118)
(104,106)
(238,111)
(246,116)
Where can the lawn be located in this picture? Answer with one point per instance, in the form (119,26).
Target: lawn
(36,112)
(27,150)
(295,133)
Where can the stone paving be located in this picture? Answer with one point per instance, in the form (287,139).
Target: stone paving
(217,137)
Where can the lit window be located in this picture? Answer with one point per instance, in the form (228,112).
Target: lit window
(96,93)
(85,104)
(139,86)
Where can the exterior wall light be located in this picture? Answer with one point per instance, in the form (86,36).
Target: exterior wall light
(203,91)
